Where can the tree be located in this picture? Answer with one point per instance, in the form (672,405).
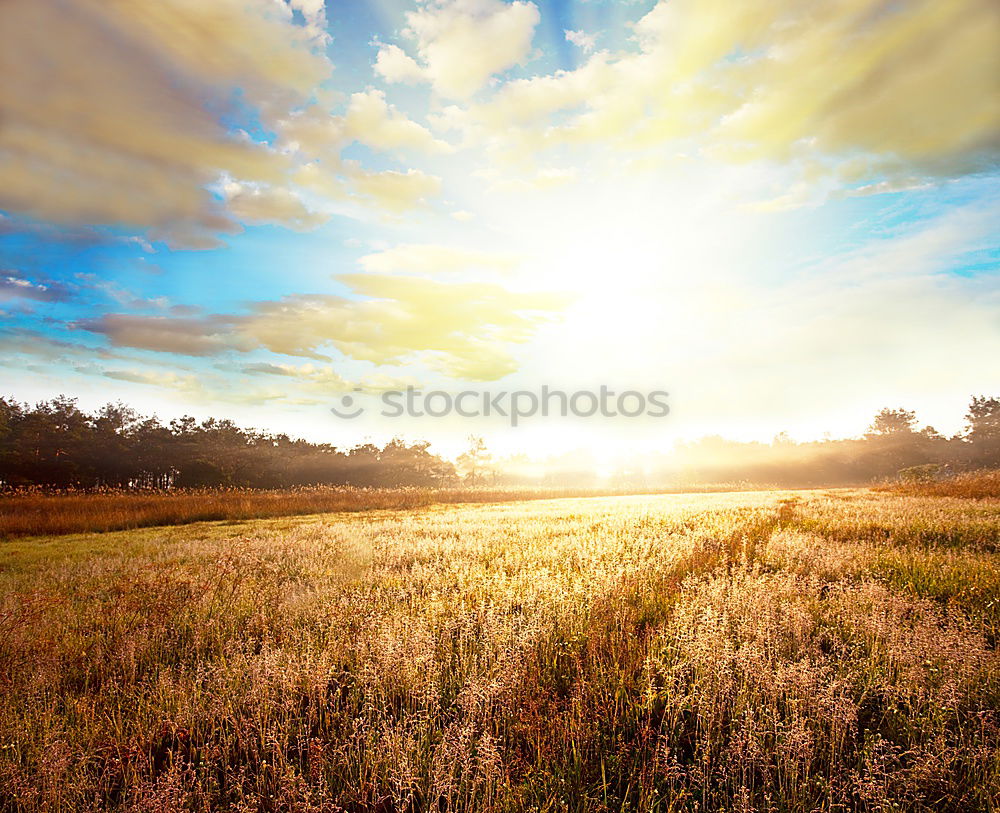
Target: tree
(983,430)
(112,445)
(893,443)
(893,422)
(472,462)
(405,464)
(55,445)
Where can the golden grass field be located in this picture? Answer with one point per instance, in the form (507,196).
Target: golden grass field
(33,513)
(767,651)
(37,512)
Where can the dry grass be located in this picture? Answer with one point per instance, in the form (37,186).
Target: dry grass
(37,513)
(763,651)
(978,485)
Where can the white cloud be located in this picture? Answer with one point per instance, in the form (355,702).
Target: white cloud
(582,40)
(393,64)
(840,85)
(461,44)
(314,13)
(377,124)
(392,190)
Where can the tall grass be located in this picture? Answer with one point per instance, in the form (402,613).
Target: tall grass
(984,484)
(37,513)
(719,652)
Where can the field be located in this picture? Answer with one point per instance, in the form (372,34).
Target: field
(976,485)
(760,651)
(37,512)
(34,513)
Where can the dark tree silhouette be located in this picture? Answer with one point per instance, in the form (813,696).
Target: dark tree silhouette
(983,430)
(55,445)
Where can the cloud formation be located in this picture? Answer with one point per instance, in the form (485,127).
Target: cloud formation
(460,44)
(582,40)
(131,114)
(16,286)
(703,123)
(254,203)
(110,108)
(324,376)
(463,329)
(377,124)
(861,91)
(155,378)
(314,131)
(167,334)
(392,190)
(324,379)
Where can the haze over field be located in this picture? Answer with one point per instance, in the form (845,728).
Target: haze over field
(782,213)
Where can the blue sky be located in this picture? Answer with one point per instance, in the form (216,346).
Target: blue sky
(784,213)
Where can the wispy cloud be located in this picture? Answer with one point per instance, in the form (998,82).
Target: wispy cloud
(15,286)
(462,329)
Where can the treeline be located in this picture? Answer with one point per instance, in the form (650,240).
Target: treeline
(893,447)
(55,445)
(58,446)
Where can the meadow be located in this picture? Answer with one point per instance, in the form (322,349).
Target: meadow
(37,512)
(758,651)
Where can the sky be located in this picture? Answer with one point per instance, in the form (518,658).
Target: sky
(782,213)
